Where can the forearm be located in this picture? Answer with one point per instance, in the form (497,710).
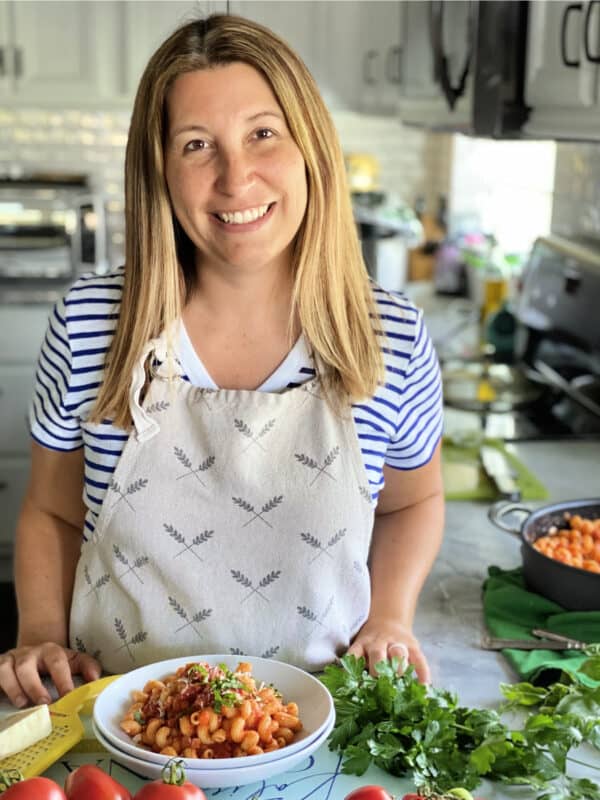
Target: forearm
(404,546)
(46,555)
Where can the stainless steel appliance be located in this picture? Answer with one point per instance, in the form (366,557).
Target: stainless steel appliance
(52,229)
(552,390)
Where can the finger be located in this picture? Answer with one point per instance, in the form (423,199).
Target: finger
(85,665)
(356,649)
(376,653)
(27,668)
(400,651)
(419,662)
(10,683)
(59,668)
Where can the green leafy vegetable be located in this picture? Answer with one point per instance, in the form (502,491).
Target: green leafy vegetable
(406,728)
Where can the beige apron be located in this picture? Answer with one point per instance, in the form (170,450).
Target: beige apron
(235,522)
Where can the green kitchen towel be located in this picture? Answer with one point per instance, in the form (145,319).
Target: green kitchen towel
(464,476)
(511,612)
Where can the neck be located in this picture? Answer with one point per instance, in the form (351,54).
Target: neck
(244,300)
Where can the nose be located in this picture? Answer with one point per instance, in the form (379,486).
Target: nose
(236,172)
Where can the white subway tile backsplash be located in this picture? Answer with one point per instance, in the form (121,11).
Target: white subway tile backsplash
(576,208)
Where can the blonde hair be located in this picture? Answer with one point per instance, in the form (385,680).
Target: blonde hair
(331,296)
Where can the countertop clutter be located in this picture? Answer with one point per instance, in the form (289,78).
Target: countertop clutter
(449,623)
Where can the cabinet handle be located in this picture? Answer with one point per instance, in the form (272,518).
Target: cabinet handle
(2,63)
(595,59)
(370,57)
(393,64)
(440,59)
(18,62)
(3,485)
(568,62)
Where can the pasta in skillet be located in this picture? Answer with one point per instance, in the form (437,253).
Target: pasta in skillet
(204,711)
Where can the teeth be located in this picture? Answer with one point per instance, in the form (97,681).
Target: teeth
(242,217)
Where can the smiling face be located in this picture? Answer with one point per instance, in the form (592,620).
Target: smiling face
(236,177)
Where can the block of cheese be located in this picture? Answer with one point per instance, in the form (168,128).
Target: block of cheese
(23,729)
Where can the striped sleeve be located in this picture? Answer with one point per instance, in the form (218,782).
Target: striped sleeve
(419,420)
(51,422)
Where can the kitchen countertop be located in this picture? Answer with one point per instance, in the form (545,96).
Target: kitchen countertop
(449,621)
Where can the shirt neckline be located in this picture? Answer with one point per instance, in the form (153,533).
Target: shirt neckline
(287,372)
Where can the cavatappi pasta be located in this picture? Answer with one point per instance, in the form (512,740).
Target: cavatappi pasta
(577,545)
(204,711)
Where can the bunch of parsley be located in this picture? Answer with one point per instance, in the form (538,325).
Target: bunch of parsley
(407,728)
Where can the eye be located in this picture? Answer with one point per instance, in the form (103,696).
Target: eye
(264,133)
(195,144)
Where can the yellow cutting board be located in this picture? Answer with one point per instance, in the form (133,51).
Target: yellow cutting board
(67,730)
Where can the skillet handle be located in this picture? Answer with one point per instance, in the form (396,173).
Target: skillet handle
(501,509)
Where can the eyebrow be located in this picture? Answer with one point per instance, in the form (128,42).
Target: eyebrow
(202,129)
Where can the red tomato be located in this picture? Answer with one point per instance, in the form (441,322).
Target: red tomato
(369,793)
(34,789)
(172,786)
(91,783)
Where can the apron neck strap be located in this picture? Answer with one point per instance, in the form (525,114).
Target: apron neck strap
(159,349)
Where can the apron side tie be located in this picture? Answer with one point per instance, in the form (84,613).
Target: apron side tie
(145,426)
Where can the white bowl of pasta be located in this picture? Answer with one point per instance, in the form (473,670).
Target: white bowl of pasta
(249,773)
(217,712)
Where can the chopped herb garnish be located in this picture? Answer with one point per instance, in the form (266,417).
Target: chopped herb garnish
(139,717)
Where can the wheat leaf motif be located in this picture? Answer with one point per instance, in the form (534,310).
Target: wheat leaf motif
(202,615)
(332,456)
(270,578)
(161,405)
(243,428)
(177,608)
(86,574)
(182,458)
(243,504)
(134,487)
(336,537)
(241,578)
(139,638)
(80,645)
(119,555)
(272,651)
(365,493)
(174,533)
(207,463)
(273,503)
(120,629)
(141,562)
(307,613)
(102,581)
(308,462)
(235,651)
(202,537)
(310,540)
(265,429)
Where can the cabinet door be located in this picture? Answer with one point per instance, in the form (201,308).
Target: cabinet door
(16,385)
(381,56)
(562,83)
(64,52)
(148,23)
(14,474)
(422,101)
(6,49)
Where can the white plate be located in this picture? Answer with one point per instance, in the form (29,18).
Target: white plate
(314,703)
(219,778)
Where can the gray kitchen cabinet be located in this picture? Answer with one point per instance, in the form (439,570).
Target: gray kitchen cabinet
(147,23)
(22,329)
(381,43)
(563,70)
(58,54)
(422,100)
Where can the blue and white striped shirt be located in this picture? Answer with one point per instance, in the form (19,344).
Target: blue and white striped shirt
(399,426)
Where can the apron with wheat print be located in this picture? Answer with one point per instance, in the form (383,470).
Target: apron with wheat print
(235,522)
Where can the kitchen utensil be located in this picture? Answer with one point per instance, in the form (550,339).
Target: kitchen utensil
(494,643)
(486,387)
(313,699)
(571,587)
(558,637)
(500,472)
(67,730)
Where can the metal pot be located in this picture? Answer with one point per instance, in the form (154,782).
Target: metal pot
(572,588)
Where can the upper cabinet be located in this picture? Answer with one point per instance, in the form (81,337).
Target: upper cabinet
(147,23)
(437,64)
(563,70)
(353,49)
(57,53)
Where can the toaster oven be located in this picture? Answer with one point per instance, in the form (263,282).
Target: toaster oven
(52,229)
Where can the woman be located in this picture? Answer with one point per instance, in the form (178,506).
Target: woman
(254,427)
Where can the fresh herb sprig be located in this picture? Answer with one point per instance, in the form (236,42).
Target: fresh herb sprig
(406,728)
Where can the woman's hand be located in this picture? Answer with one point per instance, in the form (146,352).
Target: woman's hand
(22,667)
(380,639)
